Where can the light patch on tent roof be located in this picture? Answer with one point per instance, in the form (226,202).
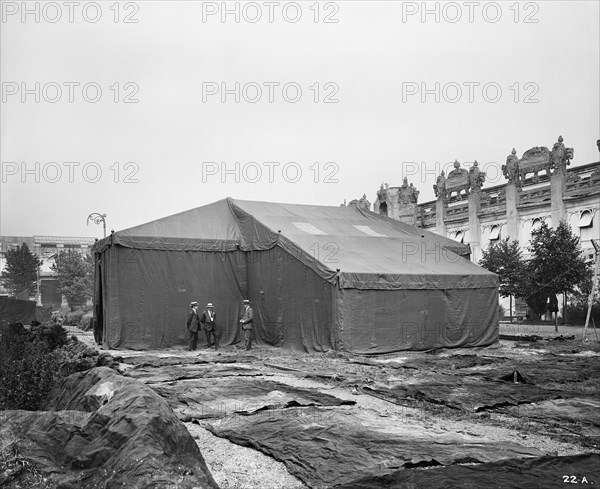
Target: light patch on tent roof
(307,227)
(370,232)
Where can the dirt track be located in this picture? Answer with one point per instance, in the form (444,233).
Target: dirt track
(438,395)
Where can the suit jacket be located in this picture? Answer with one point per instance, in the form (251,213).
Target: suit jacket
(205,320)
(193,322)
(247,317)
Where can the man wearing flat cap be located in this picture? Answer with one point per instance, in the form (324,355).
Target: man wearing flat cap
(246,322)
(193,326)
(210,326)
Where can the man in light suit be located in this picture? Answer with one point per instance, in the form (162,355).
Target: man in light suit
(208,319)
(246,322)
(193,326)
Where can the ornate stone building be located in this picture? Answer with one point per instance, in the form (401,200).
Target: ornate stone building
(538,187)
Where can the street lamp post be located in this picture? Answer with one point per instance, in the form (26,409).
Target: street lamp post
(97,219)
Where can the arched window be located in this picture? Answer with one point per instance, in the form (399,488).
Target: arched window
(383,209)
(460,236)
(536,224)
(495,233)
(585,219)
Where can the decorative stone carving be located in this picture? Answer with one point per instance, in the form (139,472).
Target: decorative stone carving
(502,196)
(511,169)
(533,161)
(362,203)
(561,157)
(381,203)
(595,179)
(440,187)
(382,193)
(407,194)
(458,179)
(476,177)
(573,178)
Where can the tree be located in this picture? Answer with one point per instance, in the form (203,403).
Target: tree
(506,260)
(21,271)
(75,276)
(557,265)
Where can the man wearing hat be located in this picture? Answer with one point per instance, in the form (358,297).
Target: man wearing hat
(193,326)
(246,322)
(210,327)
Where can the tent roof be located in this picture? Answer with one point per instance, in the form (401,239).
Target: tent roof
(370,251)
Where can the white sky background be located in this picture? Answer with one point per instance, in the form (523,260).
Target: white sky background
(371,134)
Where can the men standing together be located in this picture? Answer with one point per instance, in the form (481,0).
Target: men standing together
(209,320)
(210,327)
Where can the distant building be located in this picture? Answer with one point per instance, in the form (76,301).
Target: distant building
(46,248)
(539,188)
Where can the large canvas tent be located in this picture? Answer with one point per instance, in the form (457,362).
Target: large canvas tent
(319,278)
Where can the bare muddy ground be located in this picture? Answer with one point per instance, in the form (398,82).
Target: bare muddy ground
(280,419)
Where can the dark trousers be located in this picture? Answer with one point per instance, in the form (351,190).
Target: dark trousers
(193,342)
(248,338)
(215,338)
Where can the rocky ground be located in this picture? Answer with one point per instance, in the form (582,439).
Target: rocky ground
(566,365)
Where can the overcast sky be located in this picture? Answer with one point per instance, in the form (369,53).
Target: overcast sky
(139,110)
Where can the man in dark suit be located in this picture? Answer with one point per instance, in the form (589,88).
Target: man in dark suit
(193,326)
(246,322)
(208,319)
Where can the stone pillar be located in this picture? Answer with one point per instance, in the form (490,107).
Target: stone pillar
(474,229)
(408,214)
(557,189)
(407,199)
(440,215)
(512,214)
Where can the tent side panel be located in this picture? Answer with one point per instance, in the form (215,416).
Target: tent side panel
(382,321)
(148,294)
(294,306)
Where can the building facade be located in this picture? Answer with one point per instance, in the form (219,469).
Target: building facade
(46,248)
(539,188)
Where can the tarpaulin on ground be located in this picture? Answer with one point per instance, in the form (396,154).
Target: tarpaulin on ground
(318,277)
(561,370)
(163,361)
(215,398)
(443,362)
(467,394)
(324,447)
(17,311)
(171,373)
(580,410)
(99,429)
(541,472)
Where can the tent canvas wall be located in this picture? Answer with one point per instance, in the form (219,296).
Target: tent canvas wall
(318,277)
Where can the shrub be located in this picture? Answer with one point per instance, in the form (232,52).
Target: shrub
(75,357)
(32,361)
(26,370)
(52,334)
(576,313)
(73,318)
